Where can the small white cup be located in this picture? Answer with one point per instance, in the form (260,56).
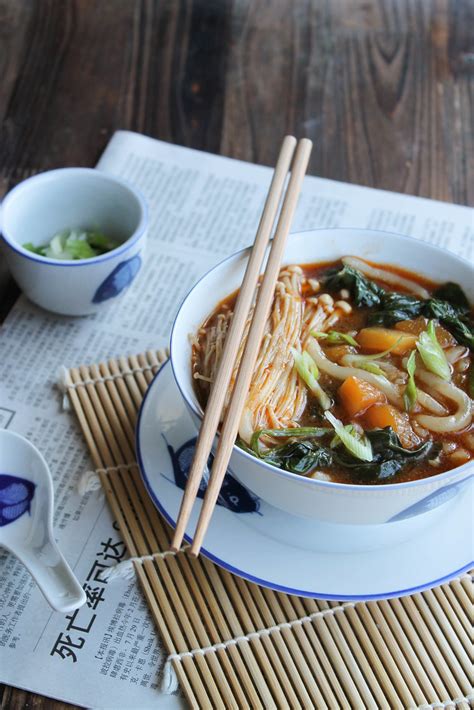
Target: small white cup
(40,207)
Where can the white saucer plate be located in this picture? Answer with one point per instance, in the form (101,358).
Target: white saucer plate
(291,554)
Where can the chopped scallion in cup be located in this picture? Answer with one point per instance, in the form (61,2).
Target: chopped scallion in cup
(75,244)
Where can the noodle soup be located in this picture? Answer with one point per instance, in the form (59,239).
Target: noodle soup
(364,374)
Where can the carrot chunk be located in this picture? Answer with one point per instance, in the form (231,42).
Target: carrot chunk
(356,395)
(380,416)
(380,339)
(418,325)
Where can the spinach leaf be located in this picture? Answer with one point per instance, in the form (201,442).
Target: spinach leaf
(449,303)
(389,456)
(364,292)
(453,294)
(298,456)
(453,318)
(395,307)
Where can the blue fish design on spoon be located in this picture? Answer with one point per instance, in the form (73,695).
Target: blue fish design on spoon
(118,280)
(16,495)
(233,495)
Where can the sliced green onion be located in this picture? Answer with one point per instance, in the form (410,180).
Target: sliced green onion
(336,441)
(432,353)
(410,395)
(79,249)
(309,373)
(74,244)
(366,362)
(308,432)
(56,246)
(360,447)
(334,337)
(371,367)
(36,250)
(376,356)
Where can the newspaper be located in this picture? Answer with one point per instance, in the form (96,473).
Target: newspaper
(202,207)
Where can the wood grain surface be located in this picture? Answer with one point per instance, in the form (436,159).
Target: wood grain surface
(385,89)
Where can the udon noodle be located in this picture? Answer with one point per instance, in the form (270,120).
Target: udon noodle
(364,374)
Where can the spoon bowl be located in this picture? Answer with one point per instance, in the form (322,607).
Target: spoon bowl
(26,521)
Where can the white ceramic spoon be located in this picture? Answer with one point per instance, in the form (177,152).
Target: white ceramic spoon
(26,521)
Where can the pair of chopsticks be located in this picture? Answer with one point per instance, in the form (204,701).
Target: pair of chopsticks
(234,336)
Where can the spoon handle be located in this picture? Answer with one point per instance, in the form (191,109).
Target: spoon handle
(53,575)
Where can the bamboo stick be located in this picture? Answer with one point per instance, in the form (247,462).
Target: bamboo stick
(264,300)
(233,339)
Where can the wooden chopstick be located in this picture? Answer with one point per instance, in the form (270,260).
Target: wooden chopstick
(233,339)
(262,308)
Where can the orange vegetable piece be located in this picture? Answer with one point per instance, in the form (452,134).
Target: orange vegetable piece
(337,352)
(380,416)
(357,395)
(380,339)
(418,325)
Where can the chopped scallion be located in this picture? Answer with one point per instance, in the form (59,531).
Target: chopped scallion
(334,337)
(309,373)
(74,244)
(410,395)
(358,446)
(432,353)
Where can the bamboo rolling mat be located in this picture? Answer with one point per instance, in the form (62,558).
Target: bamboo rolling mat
(233,644)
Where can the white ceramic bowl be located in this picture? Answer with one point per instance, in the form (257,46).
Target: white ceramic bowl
(40,207)
(326,501)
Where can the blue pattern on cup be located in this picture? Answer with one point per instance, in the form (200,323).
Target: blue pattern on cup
(16,495)
(232,495)
(121,277)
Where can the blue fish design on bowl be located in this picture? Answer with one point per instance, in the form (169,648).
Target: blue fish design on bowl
(118,280)
(233,495)
(16,495)
(432,501)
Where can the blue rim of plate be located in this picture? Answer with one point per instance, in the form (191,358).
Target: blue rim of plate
(257,580)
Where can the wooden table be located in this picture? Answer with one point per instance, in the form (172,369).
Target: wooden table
(385,88)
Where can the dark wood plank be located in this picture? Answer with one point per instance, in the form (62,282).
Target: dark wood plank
(385,88)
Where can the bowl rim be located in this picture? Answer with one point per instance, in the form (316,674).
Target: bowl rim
(454,472)
(49,175)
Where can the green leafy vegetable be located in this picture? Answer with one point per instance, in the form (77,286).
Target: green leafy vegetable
(453,294)
(358,446)
(299,456)
(294,456)
(454,319)
(389,456)
(334,337)
(410,395)
(395,307)
(432,353)
(309,373)
(295,432)
(74,244)
(364,292)
(449,303)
